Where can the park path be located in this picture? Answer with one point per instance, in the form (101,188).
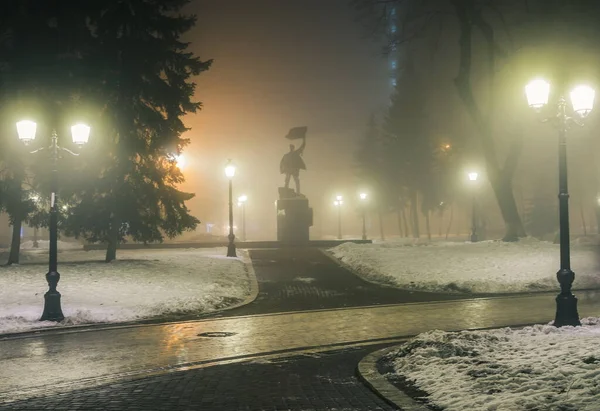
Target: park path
(75,369)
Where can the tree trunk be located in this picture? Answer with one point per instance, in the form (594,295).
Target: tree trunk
(583,219)
(427,226)
(382,235)
(400,228)
(500,178)
(508,208)
(597,209)
(405,221)
(15,242)
(113,241)
(414,213)
(450,222)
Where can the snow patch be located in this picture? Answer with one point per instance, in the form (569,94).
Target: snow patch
(141,284)
(485,267)
(540,367)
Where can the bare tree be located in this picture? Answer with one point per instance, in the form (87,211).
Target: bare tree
(402,22)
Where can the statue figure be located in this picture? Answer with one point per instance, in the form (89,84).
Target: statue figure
(292,161)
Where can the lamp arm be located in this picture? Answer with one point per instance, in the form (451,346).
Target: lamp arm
(37,151)
(66,150)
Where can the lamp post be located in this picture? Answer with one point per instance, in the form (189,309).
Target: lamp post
(242,203)
(230,173)
(338,203)
(363,198)
(474,238)
(582,102)
(80,134)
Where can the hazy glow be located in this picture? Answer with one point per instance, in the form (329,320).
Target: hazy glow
(80,133)
(473,176)
(582,99)
(338,203)
(363,196)
(180,161)
(26,130)
(338,198)
(230,170)
(537,92)
(242,198)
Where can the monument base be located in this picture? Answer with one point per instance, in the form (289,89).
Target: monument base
(294,217)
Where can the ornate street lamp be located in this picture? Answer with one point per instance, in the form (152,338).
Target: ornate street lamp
(582,102)
(474,237)
(242,203)
(230,173)
(338,203)
(363,198)
(80,133)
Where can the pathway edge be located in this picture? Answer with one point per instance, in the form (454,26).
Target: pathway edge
(370,376)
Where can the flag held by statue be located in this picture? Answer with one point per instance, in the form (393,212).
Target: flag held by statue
(296,133)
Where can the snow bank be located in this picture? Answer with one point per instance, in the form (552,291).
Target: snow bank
(141,284)
(485,267)
(535,368)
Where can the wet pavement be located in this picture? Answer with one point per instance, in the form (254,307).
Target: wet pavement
(315,381)
(89,358)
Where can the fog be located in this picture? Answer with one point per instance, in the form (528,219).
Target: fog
(280,64)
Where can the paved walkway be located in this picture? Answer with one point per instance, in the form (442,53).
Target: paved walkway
(299,279)
(319,381)
(68,360)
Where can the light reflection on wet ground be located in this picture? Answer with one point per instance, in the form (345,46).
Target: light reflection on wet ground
(63,358)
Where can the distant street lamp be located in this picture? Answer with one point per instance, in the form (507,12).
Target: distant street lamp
(338,203)
(180,161)
(582,102)
(80,134)
(242,203)
(474,238)
(363,197)
(230,173)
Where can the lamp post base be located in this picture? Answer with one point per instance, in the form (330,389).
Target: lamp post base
(231,250)
(474,238)
(364,237)
(566,311)
(52,309)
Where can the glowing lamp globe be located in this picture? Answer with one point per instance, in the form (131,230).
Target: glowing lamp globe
(363,196)
(230,170)
(26,130)
(473,176)
(80,134)
(243,199)
(582,99)
(537,92)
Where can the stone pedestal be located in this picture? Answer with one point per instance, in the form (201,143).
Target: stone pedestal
(294,217)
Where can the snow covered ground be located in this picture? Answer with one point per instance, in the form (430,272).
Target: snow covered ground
(484,267)
(141,284)
(535,368)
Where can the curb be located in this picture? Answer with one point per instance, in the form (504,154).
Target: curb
(254,289)
(368,373)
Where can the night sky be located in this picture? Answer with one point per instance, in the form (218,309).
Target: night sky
(279,64)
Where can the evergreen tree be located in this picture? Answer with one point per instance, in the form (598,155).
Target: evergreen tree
(39,52)
(142,78)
